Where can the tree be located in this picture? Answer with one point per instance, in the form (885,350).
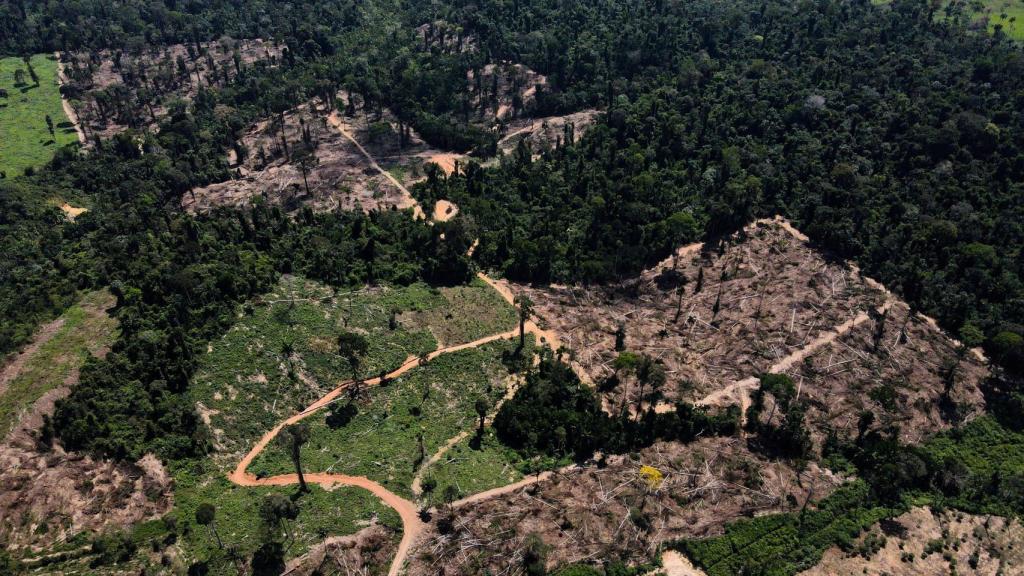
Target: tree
(353,347)
(525,306)
(481,405)
(206,515)
(276,510)
(292,437)
(307,160)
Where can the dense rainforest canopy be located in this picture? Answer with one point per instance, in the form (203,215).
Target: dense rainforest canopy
(891,135)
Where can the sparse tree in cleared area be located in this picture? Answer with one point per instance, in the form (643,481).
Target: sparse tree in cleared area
(292,437)
(206,515)
(525,306)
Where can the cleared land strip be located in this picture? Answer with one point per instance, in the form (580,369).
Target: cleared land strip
(409,200)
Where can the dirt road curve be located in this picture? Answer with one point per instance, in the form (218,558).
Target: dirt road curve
(412,526)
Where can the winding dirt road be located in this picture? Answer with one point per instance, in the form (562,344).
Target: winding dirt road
(412,526)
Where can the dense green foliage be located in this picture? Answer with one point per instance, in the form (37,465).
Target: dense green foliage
(554,414)
(37,278)
(712,113)
(787,543)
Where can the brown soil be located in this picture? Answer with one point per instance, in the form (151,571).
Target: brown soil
(365,552)
(544,133)
(783,308)
(982,545)
(156,70)
(595,514)
(501,92)
(72,212)
(444,211)
(360,164)
(46,496)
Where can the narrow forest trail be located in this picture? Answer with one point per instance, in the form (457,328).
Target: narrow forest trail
(69,111)
(744,387)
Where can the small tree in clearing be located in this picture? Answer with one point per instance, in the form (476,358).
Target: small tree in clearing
(206,515)
(292,438)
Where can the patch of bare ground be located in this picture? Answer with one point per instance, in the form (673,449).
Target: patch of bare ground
(112,91)
(368,551)
(765,300)
(599,513)
(922,542)
(500,92)
(47,495)
(358,161)
(543,133)
(899,367)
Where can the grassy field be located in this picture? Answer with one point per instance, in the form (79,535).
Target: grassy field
(86,329)
(472,469)
(381,440)
(1009,14)
(322,513)
(25,140)
(245,384)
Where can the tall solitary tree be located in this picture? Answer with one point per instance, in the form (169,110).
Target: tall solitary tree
(353,347)
(292,437)
(481,407)
(525,305)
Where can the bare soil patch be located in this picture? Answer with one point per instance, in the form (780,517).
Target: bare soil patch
(358,162)
(543,133)
(112,91)
(502,91)
(779,305)
(596,514)
(922,542)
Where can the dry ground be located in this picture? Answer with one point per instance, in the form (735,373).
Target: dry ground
(151,79)
(776,296)
(543,133)
(339,176)
(48,495)
(958,544)
(596,513)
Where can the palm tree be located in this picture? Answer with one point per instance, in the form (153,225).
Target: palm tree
(293,437)
(525,305)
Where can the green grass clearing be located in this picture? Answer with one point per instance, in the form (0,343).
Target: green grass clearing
(25,140)
(381,440)
(474,469)
(86,330)
(341,511)
(245,384)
